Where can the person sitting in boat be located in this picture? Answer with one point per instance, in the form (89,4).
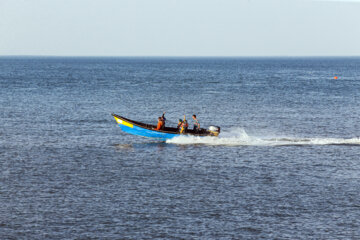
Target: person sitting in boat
(161,122)
(179,124)
(184,126)
(196,124)
(163,119)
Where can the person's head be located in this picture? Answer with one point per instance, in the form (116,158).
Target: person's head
(180,120)
(194,116)
(159,118)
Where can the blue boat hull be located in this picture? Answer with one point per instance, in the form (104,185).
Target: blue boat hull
(135,130)
(131,127)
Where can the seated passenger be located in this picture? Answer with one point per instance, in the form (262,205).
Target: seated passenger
(179,124)
(163,119)
(184,126)
(196,124)
(161,122)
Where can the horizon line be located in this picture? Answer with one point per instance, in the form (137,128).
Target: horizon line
(183,56)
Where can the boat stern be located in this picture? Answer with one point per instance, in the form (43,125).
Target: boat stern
(214,130)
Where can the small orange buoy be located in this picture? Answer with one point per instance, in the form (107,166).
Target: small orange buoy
(335,77)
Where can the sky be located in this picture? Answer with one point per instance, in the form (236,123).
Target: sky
(180,27)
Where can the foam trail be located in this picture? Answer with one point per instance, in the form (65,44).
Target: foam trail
(238,137)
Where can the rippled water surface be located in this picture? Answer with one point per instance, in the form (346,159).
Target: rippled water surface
(286,165)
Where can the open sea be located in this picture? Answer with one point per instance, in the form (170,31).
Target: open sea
(285,166)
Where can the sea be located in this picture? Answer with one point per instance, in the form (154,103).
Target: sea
(286,164)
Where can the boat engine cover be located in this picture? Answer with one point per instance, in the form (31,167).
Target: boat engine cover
(214,129)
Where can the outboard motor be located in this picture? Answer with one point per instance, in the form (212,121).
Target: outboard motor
(214,130)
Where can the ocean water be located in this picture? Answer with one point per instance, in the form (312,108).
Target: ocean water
(285,166)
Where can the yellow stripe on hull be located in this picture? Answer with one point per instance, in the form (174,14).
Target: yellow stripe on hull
(119,121)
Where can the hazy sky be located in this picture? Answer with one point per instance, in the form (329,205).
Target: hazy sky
(180,27)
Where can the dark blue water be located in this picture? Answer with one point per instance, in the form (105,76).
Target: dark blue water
(286,165)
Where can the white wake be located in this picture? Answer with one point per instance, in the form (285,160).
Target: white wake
(238,137)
